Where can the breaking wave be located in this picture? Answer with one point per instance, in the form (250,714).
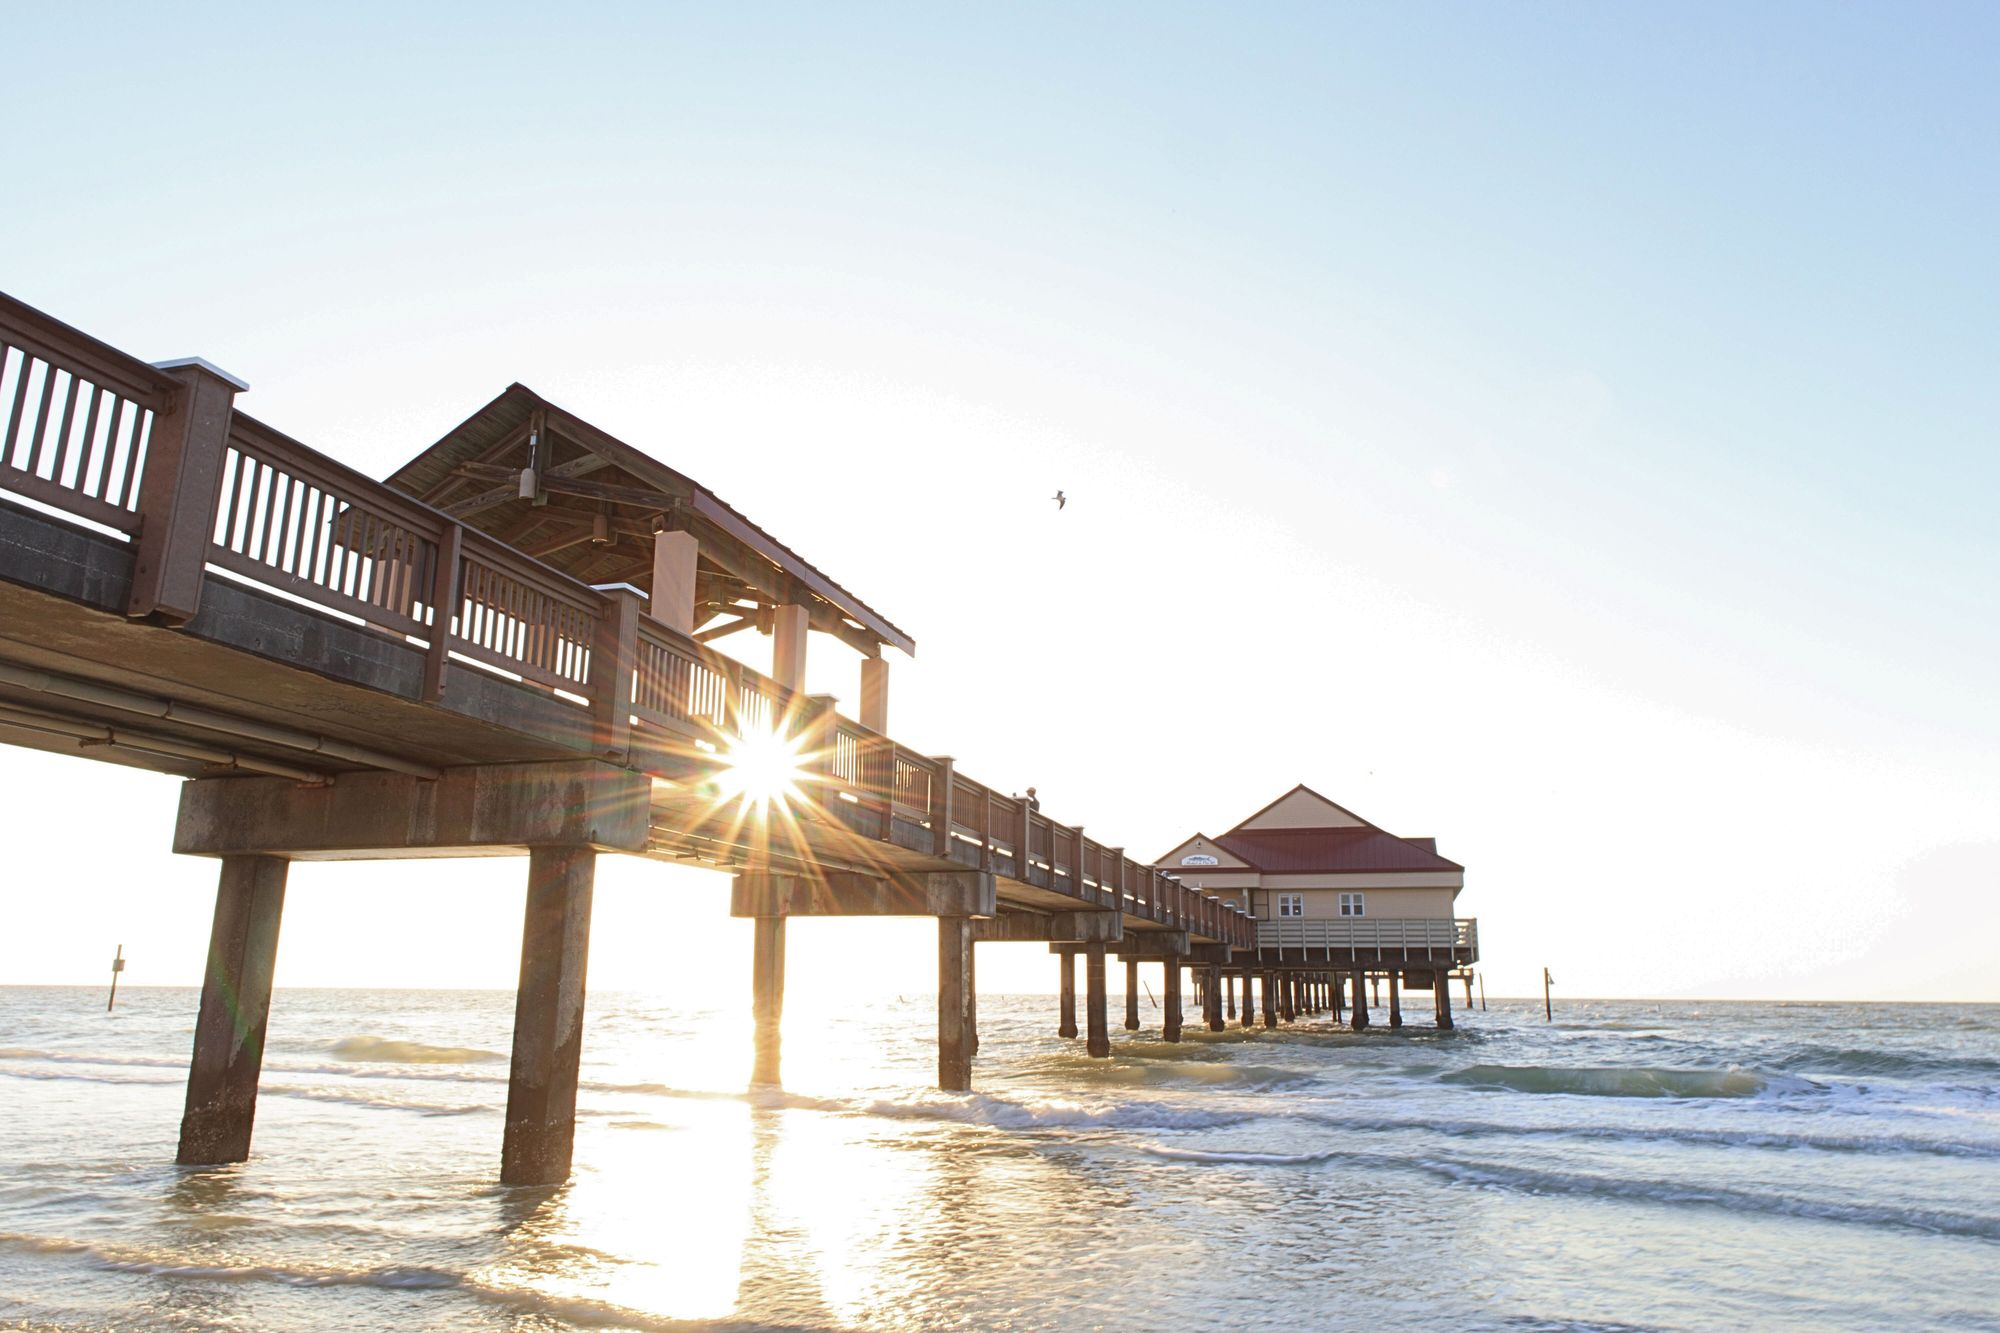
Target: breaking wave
(1583,1081)
(384,1051)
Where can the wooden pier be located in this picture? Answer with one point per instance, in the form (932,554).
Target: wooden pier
(466,661)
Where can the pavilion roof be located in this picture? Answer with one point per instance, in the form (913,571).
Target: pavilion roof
(598,505)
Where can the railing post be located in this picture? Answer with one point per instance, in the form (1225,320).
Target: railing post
(178,492)
(444,604)
(614,652)
(942,783)
(819,731)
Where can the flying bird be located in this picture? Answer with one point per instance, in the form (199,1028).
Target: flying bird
(1060,499)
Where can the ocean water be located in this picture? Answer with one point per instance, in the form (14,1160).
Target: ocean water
(1633,1165)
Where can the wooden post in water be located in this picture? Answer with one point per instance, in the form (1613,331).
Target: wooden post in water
(1170,1025)
(1360,1001)
(548,1017)
(235,1006)
(117,966)
(1131,994)
(1395,999)
(1066,994)
(1270,988)
(1249,1001)
(1214,985)
(1228,981)
(1482,992)
(1441,990)
(1548,1012)
(1097,1027)
(1468,991)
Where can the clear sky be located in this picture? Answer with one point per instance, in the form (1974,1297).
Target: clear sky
(1566,430)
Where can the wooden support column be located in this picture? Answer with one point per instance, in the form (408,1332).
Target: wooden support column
(1131,994)
(1228,995)
(875,695)
(1249,1001)
(955,1022)
(1066,994)
(788,647)
(675,555)
(548,1017)
(1097,1028)
(1287,990)
(1170,1025)
(1395,999)
(1335,989)
(1441,988)
(1211,1008)
(1360,1002)
(235,1006)
(767,996)
(1270,988)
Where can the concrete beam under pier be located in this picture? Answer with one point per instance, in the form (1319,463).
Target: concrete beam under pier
(468,811)
(955,893)
(1052,927)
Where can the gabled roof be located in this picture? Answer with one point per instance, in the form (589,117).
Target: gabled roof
(588,475)
(1337,850)
(1279,840)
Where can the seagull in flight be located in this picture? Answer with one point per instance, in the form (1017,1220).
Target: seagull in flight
(1060,499)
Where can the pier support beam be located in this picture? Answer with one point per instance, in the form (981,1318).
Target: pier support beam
(548,1017)
(1441,989)
(1395,999)
(1270,989)
(1212,993)
(1228,995)
(1131,995)
(1249,1000)
(1097,1027)
(1170,1026)
(235,1007)
(1360,1001)
(1288,1005)
(767,997)
(956,1037)
(1066,994)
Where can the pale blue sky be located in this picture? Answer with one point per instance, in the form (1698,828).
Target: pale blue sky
(1564,429)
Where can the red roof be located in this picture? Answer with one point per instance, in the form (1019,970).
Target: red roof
(1340,850)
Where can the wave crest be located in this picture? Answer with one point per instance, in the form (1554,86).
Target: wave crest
(1586,1081)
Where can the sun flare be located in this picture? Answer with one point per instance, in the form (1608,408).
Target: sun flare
(762,768)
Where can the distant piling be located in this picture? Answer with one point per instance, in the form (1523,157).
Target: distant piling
(1548,1014)
(117,966)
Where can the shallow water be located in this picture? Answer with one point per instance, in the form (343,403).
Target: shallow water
(1632,1165)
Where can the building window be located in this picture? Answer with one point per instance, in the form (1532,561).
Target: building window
(1353,904)
(1291,904)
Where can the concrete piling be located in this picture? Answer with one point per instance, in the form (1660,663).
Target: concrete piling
(235,1007)
(548,1017)
(1360,1001)
(1131,994)
(767,997)
(1395,999)
(1097,1039)
(1170,1025)
(1066,994)
(955,1004)
(1441,989)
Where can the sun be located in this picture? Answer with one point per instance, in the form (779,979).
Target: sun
(761,768)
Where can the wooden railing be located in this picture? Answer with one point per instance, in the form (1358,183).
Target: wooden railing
(80,417)
(1412,937)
